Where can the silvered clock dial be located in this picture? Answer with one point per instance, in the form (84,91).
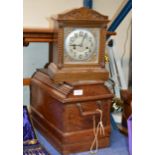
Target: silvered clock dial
(81,45)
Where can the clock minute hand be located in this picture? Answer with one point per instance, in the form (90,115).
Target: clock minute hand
(83,39)
(81,43)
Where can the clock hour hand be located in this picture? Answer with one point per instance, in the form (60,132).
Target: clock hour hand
(74,45)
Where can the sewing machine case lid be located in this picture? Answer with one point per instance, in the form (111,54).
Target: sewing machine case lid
(73,92)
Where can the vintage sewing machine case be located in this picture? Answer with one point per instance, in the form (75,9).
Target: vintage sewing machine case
(64,112)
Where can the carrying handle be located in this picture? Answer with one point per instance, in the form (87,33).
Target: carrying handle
(89,113)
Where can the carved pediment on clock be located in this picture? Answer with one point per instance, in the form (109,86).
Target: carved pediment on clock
(83,14)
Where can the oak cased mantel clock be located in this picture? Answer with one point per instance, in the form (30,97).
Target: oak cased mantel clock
(81,44)
(69,98)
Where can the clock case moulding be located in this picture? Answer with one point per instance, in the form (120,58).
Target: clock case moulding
(79,18)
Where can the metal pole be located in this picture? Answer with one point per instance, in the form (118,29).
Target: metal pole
(122,14)
(88,3)
(113,69)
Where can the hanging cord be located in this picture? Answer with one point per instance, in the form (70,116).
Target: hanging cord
(97,130)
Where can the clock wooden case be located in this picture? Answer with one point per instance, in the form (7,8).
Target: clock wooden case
(81,44)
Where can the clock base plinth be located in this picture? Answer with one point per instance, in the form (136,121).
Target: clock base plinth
(71,74)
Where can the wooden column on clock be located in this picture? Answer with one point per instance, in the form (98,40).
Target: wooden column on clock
(66,95)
